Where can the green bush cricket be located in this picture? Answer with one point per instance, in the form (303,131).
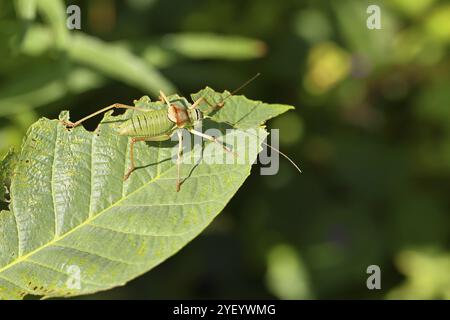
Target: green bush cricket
(160,125)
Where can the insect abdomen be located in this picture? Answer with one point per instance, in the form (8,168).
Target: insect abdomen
(148,124)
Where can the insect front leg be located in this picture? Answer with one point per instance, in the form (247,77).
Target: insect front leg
(71,124)
(211,106)
(211,138)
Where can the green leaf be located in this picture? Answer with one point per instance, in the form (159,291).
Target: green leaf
(45,84)
(26,9)
(75,227)
(54,13)
(37,40)
(110,59)
(213,46)
(240,112)
(8,249)
(118,63)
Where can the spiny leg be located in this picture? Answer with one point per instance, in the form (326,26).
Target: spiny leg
(211,138)
(113,106)
(132,166)
(180,151)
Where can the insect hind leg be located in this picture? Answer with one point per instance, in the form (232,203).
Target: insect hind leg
(71,124)
(212,107)
(132,164)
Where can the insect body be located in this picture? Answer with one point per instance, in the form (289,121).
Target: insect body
(160,122)
(153,123)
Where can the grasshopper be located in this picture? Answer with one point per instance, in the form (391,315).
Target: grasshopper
(160,125)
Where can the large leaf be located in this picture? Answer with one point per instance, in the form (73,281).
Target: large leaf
(75,227)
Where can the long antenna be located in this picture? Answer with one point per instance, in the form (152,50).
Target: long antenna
(245,83)
(220,104)
(284,155)
(273,148)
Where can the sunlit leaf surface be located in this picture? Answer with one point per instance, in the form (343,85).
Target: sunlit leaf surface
(74,226)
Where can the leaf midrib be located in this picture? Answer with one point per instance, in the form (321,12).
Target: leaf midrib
(25,258)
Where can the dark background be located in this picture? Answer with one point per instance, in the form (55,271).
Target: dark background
(371,131)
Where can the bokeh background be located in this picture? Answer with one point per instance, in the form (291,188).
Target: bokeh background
(371,131)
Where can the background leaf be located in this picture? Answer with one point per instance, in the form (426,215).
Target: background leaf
(46,85)
(71,207)
(54,13)
(117,62)
(213,46)
(26,9)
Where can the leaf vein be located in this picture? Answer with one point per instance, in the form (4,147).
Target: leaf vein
(142,234)
(64,273)
(84,223)
(169,204)
(96,254)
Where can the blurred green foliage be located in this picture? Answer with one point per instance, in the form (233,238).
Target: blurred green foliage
(371,131)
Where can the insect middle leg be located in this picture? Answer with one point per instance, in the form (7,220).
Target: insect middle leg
(211,106)
(211,138)
(132,165)
(113,106)
(138,139)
